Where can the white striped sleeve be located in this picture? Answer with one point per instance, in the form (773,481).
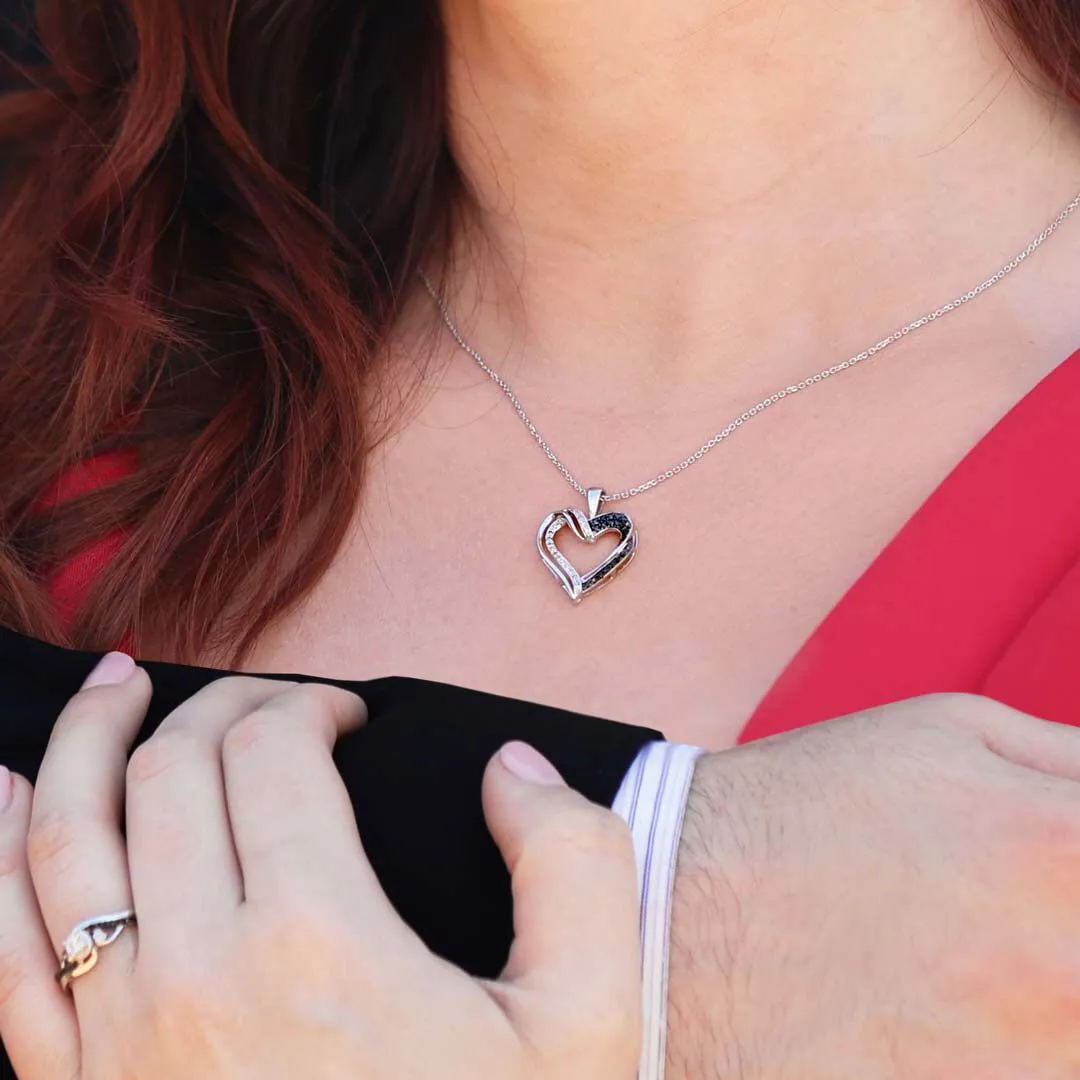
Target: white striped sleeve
(652,801)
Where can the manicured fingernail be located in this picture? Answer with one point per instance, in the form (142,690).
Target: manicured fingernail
(7,788)
(526,764)
(112,669)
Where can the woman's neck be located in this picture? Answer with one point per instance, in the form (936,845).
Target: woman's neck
(656,177)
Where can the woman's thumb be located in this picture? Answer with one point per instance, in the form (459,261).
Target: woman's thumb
(574,881)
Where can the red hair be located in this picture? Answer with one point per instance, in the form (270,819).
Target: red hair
(208,212)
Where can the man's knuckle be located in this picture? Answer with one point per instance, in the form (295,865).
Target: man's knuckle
(970,711)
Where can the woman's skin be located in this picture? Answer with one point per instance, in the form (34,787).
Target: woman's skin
(265,948)
(685,205)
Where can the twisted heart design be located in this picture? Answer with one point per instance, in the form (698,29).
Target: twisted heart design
(589,529)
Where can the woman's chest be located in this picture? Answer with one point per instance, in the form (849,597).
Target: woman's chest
(739,560)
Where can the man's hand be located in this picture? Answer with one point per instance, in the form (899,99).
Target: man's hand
(893,895)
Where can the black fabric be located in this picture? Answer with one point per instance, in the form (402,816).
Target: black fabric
(413,773)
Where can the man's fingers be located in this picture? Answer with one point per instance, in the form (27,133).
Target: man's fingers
(575,893)
(37,1020)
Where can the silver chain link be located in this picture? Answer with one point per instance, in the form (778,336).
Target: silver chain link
(762,405)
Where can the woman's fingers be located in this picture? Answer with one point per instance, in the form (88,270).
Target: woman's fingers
(37,1020)
(576,945)
(184,869)
(75,847)
(293,823)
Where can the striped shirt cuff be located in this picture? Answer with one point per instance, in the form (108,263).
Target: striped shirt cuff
(652,801)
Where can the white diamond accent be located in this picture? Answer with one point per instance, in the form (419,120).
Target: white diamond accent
(79,946)
(589,530)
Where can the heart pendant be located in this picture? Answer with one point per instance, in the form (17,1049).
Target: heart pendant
(588,527)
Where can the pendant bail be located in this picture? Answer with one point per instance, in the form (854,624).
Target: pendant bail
(595,498)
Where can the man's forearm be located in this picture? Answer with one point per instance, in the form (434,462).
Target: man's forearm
(886,897)
(701,1039)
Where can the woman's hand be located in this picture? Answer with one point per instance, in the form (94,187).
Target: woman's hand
(265,947)
(893,896)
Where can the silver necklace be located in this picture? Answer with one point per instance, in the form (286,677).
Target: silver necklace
(590,524)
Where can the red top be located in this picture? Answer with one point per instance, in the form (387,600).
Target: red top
(70,583)
(978,593)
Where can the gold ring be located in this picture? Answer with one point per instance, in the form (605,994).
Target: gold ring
(80,951)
